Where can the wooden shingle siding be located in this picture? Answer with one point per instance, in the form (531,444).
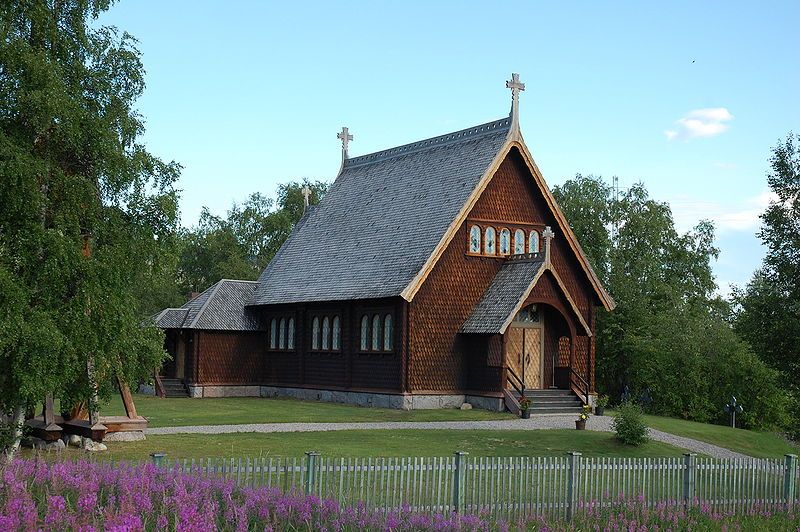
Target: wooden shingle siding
(231,358)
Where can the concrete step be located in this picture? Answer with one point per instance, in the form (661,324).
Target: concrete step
(547,410)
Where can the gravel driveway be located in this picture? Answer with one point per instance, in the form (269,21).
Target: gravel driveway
(537,422)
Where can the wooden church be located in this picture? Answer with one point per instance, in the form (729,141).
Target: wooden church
(431,274)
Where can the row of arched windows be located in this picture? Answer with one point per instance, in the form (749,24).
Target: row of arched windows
(326,333)
(281,333)
(376,332)
(487,241)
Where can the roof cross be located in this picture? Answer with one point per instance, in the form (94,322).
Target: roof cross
(516,86)
(345,137)
(548,235)
(306,196)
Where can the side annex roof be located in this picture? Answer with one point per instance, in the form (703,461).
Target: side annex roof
(221,307)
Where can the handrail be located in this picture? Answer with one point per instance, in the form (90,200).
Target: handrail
(519,386)
(159,386)
(583,389)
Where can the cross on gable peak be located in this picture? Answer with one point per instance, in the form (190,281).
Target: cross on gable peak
(516,87)
(548,235)
(345,137)
(306,191)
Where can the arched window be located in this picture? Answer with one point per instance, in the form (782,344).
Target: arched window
(529,314)
(282,334)
(475,239)
(387,332)
(290,335)
(376,332)
(505,242)
(533,242)
(326,333)
(337,334)
(273,333)
(315,333)
(488,241)
(364,332)
(519,242)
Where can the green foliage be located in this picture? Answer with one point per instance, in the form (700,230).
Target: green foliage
(241,245)
(629,425)
(86,213)
(768,308)
(669,336)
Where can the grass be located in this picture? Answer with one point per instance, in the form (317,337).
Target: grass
(375,443)
(751,443)
(181,412)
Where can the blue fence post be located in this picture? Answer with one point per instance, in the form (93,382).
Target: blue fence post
(689,473)
(311,471)
(790,480)
(458,481)
(572,483)
(158,458)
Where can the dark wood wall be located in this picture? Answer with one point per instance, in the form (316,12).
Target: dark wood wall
(440,357)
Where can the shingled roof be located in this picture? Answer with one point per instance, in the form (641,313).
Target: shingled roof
(381,220)
(220,307)
(501,301)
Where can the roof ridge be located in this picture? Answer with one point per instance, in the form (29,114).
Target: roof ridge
(447,138)
(213,289)
(237,281)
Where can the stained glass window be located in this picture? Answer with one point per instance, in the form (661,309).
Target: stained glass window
(326,333)
(387,332)
(337,334)
(290,334)
(519,242)
(505,242)
(475,239)
(364,332)
(533,242)
(282,334)
(376,332)
(488,243)
(315,333)
(273,334)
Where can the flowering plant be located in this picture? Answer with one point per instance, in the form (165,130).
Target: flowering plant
(524,403)
(583,416)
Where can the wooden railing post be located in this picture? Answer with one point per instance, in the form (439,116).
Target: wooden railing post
(790,480)
(458,481)
(689,472)
(311,470)
(572,483)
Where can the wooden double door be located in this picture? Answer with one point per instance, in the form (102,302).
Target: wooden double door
(524,352)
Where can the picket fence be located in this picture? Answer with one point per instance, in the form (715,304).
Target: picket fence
(513,486)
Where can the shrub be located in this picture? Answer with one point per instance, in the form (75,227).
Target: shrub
(629,424)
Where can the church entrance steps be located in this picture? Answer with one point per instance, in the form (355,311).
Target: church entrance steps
(553,402)
(174,388)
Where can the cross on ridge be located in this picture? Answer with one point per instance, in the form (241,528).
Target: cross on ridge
(306,195)
(548,235)
(516,86)
(345,137)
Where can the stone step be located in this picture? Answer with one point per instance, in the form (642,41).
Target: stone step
(544,410)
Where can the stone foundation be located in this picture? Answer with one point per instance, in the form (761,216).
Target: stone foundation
(224,391)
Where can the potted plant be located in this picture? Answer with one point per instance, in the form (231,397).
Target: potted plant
(580,423)
(525,407)
(602,403)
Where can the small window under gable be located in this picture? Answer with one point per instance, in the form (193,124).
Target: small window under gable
(533,242)
(489,242)
(475,239)
(519,242)
(505,242)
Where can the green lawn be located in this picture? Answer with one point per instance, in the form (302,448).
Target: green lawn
(351,443)
(181,412)
(757,444)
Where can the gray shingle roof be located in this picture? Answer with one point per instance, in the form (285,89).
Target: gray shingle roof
(381,219)
(510,286)
(220,307)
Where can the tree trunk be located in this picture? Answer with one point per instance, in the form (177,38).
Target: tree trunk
(17,421)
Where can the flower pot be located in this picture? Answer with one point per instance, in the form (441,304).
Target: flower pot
(526,414)
(599,410)
(580,424)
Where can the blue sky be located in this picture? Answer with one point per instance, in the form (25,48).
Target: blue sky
(687,97)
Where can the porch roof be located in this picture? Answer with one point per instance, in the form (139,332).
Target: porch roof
(220,307)
(504,297)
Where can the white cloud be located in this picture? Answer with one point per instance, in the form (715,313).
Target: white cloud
(730,216)
(701,123)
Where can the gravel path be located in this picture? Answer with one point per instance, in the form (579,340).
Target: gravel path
(598,423)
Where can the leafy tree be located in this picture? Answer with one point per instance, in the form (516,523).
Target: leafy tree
(241,245)
(85,210)
(768,308)
(669,335)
